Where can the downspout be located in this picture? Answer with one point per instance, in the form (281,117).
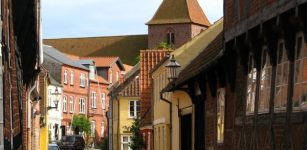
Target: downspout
(170,116)
(29,112)
(110,121)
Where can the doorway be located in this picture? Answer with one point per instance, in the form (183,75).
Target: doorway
(186,132)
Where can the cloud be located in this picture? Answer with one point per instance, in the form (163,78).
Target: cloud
(83,18)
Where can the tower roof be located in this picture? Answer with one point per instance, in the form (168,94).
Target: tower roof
(179,11)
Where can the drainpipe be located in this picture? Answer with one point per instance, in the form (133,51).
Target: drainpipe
(29,113)
(170,116)
(110,120)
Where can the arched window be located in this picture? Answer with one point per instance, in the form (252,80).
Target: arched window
(170,36)
(251,86)
(282,73)
(300,75)
(265,82)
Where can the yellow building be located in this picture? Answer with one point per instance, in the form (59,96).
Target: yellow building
(126,107)
(167,128)
(44,83)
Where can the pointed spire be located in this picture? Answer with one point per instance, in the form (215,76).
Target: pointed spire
(179,11)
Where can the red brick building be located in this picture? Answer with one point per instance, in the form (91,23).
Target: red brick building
(98,106)
(250,86)
(21,58)
(74,78)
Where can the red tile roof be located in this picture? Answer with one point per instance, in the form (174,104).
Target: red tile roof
(106,61)
(148,60)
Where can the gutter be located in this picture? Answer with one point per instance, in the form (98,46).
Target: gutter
(171,117)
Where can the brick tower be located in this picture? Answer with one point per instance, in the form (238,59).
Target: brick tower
(176,22)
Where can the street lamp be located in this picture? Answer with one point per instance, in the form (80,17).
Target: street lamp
(172,68)
(56,100)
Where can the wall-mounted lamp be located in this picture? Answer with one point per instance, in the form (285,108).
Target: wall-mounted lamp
(172,68)
(56,94)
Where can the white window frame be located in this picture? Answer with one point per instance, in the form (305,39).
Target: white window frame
(301,104)
(251,86)
(71,77)
(135,114)
(65,76)
(93,128)
(71,104)
(82,105)
(282,64)
(64,103)
(82,80)
(122,142)
(94,98)
(265,82)
(103,101)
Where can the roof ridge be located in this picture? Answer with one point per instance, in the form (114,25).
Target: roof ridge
(89,37)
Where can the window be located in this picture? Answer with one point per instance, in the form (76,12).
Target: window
(103,101)
(111,76)
(71,104)
(251,86)
(49,97)
(134,108)
(265,82)
(65,76)
(220,114)
(125,140)
(282,71)
(102,129)
(71,77)
(82,105)
(93,128)
(300,75)
(82,80)
(170,38)
(65,104)
(93,99)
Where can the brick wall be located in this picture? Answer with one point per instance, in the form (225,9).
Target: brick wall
(183,33)
(238,10)
(99,114)
(74,90)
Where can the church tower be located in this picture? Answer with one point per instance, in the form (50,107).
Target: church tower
(176,22)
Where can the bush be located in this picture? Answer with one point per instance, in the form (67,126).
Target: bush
(137,141)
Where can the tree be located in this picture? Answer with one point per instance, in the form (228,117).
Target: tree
(137,141)
(81,124)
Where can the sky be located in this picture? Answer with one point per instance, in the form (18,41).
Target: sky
(89,18)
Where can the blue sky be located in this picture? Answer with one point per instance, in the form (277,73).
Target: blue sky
(87,18)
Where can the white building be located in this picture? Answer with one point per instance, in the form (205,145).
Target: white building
(54,113)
